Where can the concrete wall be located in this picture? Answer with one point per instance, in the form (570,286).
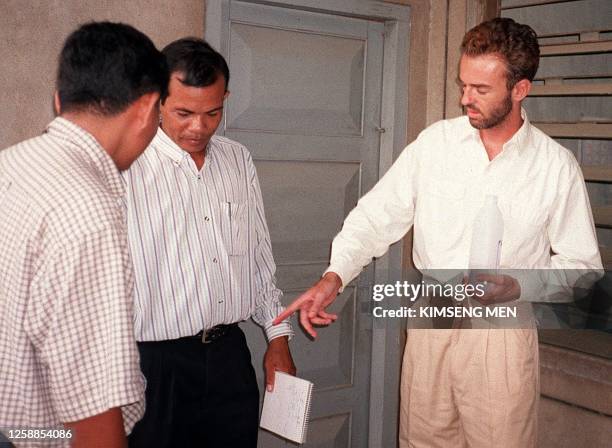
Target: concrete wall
(32,33)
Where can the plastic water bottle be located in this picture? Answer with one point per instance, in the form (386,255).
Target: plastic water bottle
(487,236)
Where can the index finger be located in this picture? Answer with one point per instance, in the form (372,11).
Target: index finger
(292,308)
(285,314)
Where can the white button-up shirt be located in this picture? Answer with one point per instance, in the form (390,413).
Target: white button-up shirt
(199,241)
(439,183)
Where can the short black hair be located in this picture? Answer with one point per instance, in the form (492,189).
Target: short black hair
(104,67)
(198,62)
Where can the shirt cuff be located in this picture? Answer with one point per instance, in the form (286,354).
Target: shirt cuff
(275,331)
(342,273)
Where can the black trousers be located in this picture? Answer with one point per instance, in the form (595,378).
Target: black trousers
(198,395)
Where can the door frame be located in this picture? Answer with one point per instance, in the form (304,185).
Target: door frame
(387,334)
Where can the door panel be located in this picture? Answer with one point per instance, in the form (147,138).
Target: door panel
(303,99)
(300,220)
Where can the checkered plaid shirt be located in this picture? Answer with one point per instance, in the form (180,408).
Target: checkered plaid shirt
(67,348)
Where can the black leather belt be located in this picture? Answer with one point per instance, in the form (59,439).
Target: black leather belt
(214,333)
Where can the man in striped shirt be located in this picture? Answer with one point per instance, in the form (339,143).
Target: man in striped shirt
(203,263)
(69,370)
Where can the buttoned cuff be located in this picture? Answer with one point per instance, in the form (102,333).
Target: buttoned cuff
(276,331)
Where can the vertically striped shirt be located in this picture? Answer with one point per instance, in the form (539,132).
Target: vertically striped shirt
(199,241)
(67,348)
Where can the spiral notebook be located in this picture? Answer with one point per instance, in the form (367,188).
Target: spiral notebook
(286,410)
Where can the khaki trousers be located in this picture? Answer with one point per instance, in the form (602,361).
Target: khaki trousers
(470,388)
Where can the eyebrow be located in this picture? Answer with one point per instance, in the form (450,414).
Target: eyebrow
(216,109)
(182,109)
(478,86)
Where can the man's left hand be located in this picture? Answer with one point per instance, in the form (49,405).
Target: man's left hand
(499,289)
(277,357)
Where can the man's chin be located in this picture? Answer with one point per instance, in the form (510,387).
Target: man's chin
(476,123)
(190,146)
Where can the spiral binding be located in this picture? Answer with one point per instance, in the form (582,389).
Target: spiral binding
(307,414)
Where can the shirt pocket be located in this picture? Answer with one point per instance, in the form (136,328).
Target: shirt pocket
(528,203)
(526,211)
(235,235)
(524,231)
(527,215)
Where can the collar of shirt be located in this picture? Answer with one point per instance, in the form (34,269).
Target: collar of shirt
(520,138)
(519,142)
(170,149)
(91,148)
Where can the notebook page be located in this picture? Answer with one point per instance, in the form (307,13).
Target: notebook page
(285,409)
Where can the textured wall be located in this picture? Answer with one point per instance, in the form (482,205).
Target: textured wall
(32,33)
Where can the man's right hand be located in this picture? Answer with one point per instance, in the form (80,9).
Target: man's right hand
(313,302)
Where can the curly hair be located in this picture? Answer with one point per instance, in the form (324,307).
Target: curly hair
(516,43)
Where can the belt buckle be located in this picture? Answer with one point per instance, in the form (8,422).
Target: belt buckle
(206,336)
(212,334)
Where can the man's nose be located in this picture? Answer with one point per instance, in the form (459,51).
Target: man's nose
(197,124)
(466,97)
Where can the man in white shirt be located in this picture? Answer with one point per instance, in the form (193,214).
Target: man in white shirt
(203,262)
(476,388)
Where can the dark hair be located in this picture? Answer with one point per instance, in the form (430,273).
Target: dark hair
(104,67)
(199,63)
(516,43)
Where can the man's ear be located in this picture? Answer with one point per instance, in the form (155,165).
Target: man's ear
(144,107)
(521,89)
(57,105)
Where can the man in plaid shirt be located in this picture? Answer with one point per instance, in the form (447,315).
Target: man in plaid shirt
(68,360)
